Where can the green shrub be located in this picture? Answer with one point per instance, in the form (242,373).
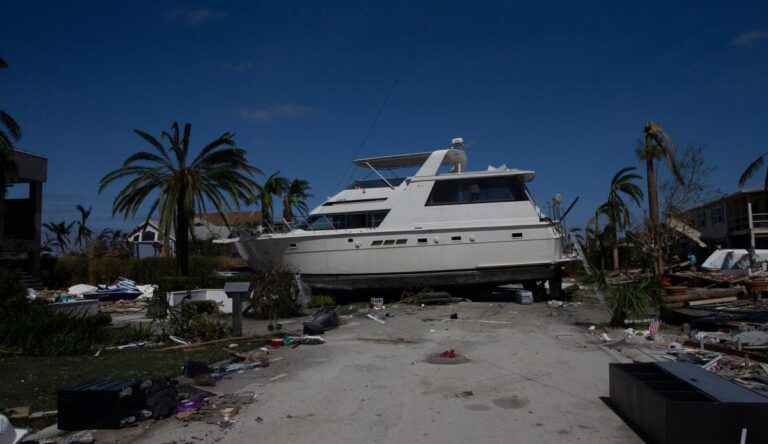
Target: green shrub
(131,333)
(71,270)
(36,329)
(628,301)
(10,286)
(321,300)
(275,292)
(198,308)
(196,321)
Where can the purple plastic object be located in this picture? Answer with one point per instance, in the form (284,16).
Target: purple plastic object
(188,405)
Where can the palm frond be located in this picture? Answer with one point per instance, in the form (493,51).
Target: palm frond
(11,124)
(751,170)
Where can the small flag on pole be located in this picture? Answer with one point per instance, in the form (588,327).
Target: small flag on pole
(653,329)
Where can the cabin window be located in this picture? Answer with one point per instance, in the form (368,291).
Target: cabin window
(292,246)
(517,235)
(344,221)
(401,242)
(477,190)
(376,243)
(455,238)
(422,240)
(389,242)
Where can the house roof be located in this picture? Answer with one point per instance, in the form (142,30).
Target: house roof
(745,191)
(234,218)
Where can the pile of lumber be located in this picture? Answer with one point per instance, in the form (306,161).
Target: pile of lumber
(701,296)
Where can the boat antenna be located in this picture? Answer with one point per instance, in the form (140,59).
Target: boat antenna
(391,91)
(457,143)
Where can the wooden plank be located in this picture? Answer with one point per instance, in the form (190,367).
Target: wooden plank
(727,350)
(712,301)
(216,341)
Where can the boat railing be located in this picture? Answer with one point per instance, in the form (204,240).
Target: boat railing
(284,226)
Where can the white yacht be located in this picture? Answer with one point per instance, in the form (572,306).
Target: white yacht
(443,226)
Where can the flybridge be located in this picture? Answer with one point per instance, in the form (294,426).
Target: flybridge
(430,162)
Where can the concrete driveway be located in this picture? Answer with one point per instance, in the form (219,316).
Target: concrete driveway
(530,377)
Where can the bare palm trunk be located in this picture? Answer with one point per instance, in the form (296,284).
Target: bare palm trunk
(2,215)
(615,245)
(597,238)
(182,236)
(653,208)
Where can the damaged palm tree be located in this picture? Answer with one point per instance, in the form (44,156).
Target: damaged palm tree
(617,210)
(183,185)
(656,146)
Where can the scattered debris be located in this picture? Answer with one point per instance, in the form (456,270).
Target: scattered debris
(374,318)
(393,340)
(21,412)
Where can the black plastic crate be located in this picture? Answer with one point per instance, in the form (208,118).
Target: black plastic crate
(678,402)
(100,404)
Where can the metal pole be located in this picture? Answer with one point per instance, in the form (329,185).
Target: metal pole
(237,314)
(751,236)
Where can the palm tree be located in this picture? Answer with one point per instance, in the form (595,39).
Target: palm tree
(752,169)
(594,221)
(275,185)
(10,132)
(84,233)
(617,210)
(61,232)
(296,196)
(656,146)
(182,185)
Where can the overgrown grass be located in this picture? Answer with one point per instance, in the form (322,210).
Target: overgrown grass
(34,380)
(321,301)
(34,328)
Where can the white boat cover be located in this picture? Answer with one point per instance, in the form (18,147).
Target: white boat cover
(729,259)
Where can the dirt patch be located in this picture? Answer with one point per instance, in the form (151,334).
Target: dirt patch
(511,402)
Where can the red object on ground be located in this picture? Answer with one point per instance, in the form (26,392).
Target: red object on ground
(277,343)
(448,354)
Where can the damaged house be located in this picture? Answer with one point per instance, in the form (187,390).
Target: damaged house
(148,239)
(738,220)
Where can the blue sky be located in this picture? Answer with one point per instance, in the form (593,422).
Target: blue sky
(562,88)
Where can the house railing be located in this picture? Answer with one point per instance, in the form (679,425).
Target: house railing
(759,220)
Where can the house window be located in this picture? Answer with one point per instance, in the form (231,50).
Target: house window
(148,236)
(701,219)
(717,215)
(477,190)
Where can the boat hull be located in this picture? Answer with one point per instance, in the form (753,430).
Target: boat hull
(399,259)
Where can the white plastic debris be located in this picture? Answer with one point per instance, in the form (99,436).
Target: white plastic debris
(79,289)
(605,338)
(675,346)
(372,317)
(591,328)
(554,304)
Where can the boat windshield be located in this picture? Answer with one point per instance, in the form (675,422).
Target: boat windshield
(375,183)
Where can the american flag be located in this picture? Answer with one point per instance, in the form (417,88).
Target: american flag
(653,329)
